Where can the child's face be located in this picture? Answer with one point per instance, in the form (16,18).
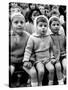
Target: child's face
(18,24)
(55,26)
(42,28)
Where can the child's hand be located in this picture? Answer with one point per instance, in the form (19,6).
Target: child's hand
(27,65)
(53,61)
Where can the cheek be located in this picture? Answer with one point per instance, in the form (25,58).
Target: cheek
(39,29)
(23,26)
(58,27)
(46,28)
(52,27)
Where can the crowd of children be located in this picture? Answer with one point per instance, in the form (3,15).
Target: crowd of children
(37,41)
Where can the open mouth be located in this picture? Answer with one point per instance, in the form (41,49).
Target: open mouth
(43,32)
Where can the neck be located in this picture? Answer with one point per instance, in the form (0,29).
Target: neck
(41,35)
(18,33)
(56,33)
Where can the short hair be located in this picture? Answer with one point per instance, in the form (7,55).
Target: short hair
(41,19)
(53,18)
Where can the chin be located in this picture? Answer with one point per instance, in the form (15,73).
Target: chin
(56,32)
(43,33)
(19,32)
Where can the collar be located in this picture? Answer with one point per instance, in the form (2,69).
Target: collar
(56,34)
(38,35)
(15,33)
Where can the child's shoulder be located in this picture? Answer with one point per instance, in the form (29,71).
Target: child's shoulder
(63,37)
(26,33)
(60,36)
(48,37)
(32,37)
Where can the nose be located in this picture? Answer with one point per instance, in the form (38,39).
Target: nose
(19,24)
(56,25)
(43,27)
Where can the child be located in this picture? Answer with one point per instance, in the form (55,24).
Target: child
(55,12)
(18,41)
(39,45)
(58,40)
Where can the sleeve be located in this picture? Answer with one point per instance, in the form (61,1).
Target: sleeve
(28,49)
(64,42)
(63,53)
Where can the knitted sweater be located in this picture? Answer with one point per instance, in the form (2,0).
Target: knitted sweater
(59,42)
(40,46)
(17,46)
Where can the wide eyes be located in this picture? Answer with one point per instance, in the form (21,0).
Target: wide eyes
(16,22)
(21,22)
(41,25)
(45,25)
(56,24)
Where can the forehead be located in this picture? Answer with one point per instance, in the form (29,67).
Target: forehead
(44,23)
(18,18)
(55,21)
(41,21)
